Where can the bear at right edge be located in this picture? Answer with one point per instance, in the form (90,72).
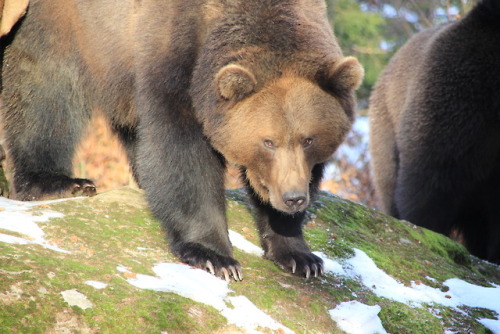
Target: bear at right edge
(435,131)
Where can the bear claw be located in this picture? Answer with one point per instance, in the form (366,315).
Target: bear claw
(226,273)
(216,264)
(210,267)
(308,264)
(83,188)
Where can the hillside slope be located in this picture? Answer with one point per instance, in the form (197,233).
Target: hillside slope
(101,265)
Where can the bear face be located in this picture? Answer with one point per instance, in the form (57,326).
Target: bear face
(279,134)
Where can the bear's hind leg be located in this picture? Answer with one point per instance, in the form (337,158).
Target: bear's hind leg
(43,121)
(43,165)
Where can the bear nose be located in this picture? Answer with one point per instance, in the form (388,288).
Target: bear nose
(295,200)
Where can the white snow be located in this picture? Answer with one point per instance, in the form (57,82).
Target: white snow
(352,149)
(96,284)
(205,288)
(331,266)
(357,318)
(352,317)
(243,244)
(75,298)
(461,293)
(384,285)
(16,217)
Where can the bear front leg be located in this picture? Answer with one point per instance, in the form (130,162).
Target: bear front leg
(281,234)
(283,241)
(184,183)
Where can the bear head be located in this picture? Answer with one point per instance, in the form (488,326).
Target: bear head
(279,130)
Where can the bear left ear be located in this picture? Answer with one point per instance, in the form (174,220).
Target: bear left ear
(345,74)
(234,82)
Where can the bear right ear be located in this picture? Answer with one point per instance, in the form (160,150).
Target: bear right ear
(345,74)
(234,82)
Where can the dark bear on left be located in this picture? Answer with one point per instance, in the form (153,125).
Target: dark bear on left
(187,86)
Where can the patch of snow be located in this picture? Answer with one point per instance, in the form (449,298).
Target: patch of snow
(10,239)
(205,288)
(75,298)
(243,244)
(330,266)
(352,153)
(352,149)
(357,318)
(96,284)
(16,217)
(362,266)
(122,269)
(477,296)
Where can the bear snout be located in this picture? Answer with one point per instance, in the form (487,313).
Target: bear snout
(295,200)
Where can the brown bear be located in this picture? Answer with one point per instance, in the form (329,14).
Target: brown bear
(435,130)
(188,86)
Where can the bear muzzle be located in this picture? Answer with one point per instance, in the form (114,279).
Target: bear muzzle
(295,200)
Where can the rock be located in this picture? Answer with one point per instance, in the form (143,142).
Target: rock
(417,281)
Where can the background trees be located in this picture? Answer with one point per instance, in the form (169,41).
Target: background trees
(372,30)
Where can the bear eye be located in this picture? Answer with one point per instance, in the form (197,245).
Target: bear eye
(307,142)
(268,143)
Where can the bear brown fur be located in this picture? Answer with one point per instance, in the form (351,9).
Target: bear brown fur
(435,130)
(188,86)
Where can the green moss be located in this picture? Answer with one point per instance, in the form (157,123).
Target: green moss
(462,321)
(115,229)
(402,319)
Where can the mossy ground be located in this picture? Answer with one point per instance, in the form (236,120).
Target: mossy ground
(115,228)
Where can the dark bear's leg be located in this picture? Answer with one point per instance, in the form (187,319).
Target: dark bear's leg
(432,209)
(281,234)
(493,250)
(492,236)
(43,120)
(482,231)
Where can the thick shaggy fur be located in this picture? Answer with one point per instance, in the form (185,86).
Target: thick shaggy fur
(187,86)
(435,130)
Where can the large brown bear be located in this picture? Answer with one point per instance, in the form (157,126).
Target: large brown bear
(187,86)
(435,130)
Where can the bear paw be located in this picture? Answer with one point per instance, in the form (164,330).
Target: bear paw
(83,187)
(50,187)
(201,257)
(300,263)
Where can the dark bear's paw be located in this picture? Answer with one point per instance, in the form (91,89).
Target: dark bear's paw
(303,264)
(201,257)
(50,187)
(82,187)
